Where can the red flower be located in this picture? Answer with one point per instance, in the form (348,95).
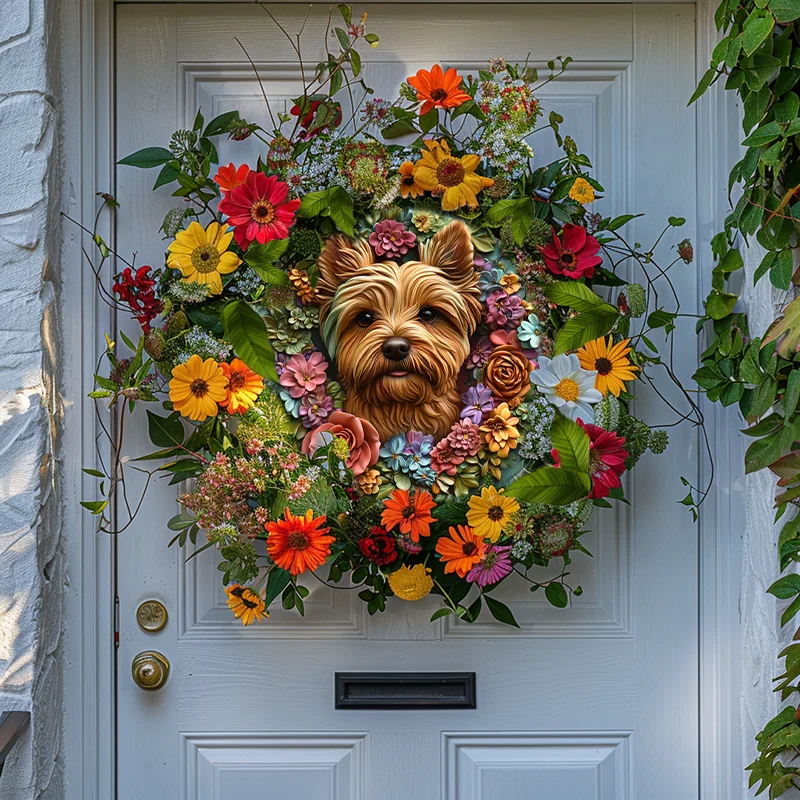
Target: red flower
(607,456)
(259,210)
(230,177)
(574,255)
(379,547)
(307,119)
(138,293)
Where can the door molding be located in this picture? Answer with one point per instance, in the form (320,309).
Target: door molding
(88,147)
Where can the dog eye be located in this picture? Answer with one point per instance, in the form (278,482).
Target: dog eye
(428,314)
(365,319)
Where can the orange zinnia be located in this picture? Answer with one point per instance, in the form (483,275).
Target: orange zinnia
(297,544)
(438,89)
(462,551)
(408,181)
(244,386)
(411,513)
(230,177)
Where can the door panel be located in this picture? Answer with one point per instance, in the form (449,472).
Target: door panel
(599,700)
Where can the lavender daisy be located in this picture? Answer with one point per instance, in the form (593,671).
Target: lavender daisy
(493,567)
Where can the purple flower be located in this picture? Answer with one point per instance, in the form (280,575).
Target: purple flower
(390,238)
(477,402)
(504,310)
(314,408)
(418,443)
(480,353)
(493,567)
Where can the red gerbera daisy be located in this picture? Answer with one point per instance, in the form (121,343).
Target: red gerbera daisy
(230,177)
(297,544)
(259,210)
(574,255)
(607,456)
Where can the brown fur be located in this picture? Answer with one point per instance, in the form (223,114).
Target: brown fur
(351,281)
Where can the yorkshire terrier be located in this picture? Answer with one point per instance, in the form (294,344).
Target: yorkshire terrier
(399,333)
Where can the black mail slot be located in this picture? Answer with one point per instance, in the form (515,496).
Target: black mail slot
(405,690)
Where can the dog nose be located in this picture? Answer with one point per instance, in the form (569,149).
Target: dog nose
(396,348)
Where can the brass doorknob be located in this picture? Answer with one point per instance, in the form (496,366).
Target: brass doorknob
(150,670)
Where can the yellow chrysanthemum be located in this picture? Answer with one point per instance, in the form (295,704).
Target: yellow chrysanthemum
(202,255)
(491,513)
(411,583)
(246,604)
(611,363)
(582,191)
(452,178)
(197,387)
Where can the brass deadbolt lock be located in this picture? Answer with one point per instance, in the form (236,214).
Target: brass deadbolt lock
(150,670)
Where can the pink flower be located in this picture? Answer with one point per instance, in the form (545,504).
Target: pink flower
(504,310)
(607,456)
(465,438)
(444,458)
(574,255)
(302,376)
(390,238)
(493,567)
(361,437)
(258,209)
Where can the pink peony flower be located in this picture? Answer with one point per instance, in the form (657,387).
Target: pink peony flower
(302,376)
(465,438)
(444,458)
(391,239)
(361,437)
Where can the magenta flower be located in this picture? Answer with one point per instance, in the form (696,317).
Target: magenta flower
(504,310)
(315,408)
(444,458)
(302,376)
(493,567)
(465,438)
(480,353)
(390,238)
(478,401)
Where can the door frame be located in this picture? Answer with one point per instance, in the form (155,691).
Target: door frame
(87,115)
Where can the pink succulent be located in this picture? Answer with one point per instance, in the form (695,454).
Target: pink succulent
(390,238)
(302,376)
(464,438)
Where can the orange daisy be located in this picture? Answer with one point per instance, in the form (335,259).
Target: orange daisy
(438,89)
(410,512)
(244,386)
(297,544)
(230,177)
(461,551)
(408,181)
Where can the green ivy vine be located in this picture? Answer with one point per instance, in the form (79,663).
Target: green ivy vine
(759,58)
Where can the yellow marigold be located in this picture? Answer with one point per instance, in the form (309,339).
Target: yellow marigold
(408,181)
(197,387)
(491,513)
(452,178)
(500,431)
(582,191)
(611,363)
(411,583)
(244,386)
(202,255)
(246,604)
(302,285)
(369,482)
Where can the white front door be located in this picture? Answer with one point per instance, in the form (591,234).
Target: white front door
(598,701)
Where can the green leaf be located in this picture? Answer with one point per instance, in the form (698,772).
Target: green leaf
(168,174)
(95,473)
(574,295)
(731,261)
(618,222)
(147,158)
(277,581)
(521,219)
(792,394)
(763,135)
(557,486)
(785,330)
(785,587)
(313,204)
(785,10)
(572,443)
(341,209)
(95,506)
(660,318)
(372,39)
(500,611)
(705,82)
(262,258)
(586,327)
(757,27)
(780,273)
(556,595)
(401,127)
(344,39)
(428,121)
(165,431)
(221,123)
(720,304)
(346,12)
(499,211)
(245,331)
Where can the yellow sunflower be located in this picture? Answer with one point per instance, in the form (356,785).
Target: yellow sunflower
(202,255)
(408,181)
(611,362)
(246,604)
(491,513)
(452,178)
(411,583)
(197,387)
(582,191)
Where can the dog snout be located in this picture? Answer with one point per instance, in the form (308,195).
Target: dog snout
(396,348)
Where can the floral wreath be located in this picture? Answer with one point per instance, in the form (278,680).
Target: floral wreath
(313,303)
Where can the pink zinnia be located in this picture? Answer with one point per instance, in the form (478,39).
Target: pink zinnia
(607,457)
(574,255)
(390,238)
(493,567)
(259,210)
(444,459)
(302,376)
(465,438)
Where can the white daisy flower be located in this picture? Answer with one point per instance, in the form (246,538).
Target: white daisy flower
(568,386)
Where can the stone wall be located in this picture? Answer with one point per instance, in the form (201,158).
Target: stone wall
(32,575)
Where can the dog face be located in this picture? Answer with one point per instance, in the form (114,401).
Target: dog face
(399,332)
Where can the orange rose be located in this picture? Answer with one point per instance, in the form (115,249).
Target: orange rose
(507,374)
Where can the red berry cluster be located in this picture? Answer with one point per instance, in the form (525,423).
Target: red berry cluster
(137,292)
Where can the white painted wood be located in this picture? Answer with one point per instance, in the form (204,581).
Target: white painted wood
(642,683)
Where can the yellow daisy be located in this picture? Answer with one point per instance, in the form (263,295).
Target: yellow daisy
(452,178)
(197,387)
(202,255)
(611,363)
(411,583)
(491,513)
(582,191)
(246,604)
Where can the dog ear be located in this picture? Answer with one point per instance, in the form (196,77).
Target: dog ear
(451,251)
(340,259)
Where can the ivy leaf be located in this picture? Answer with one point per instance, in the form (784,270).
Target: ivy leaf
(147,158)
(340,205)
(245,331)
(785,330)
